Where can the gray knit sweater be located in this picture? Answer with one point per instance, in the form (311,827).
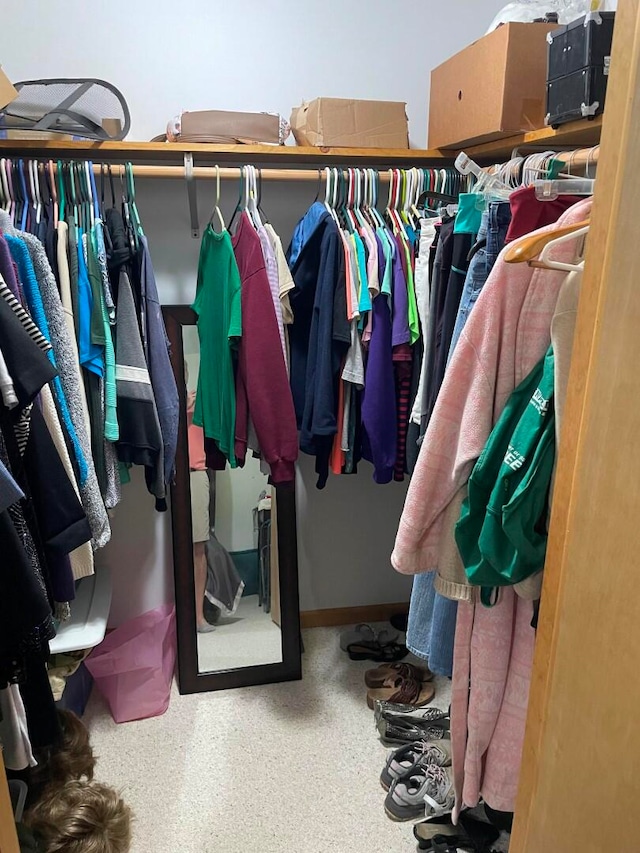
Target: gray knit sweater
(69,371)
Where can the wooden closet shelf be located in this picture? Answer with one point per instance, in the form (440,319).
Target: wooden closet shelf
(206,154)
(578,134)
(575,134)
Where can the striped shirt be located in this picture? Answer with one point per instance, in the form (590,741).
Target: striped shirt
(27,323)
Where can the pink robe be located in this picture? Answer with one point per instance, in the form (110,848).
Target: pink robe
(507,334)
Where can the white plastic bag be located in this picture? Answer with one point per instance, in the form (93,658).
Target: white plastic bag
(527,10)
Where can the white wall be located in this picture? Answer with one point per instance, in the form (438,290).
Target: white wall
(247,55)
(237,494)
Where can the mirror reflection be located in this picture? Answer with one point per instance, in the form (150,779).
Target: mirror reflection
(235,565)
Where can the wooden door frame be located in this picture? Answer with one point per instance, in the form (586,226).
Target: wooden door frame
(608,305)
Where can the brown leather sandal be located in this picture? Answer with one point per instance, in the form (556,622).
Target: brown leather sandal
(382,676)
(402,691)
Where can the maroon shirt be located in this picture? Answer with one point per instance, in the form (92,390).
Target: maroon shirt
(528,213)
(262,385)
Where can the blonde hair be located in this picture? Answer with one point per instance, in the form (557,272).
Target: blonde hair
(71,758)
(81,817)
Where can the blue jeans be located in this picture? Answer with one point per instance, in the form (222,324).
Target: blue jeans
(432,618)
(432,625)
(493,229)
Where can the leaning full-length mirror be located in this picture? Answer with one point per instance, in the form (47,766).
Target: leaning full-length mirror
(234,544)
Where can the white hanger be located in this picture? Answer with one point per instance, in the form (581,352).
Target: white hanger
(550,190)
(216,210)
(546,263)
(36,186)
(92,211)
(32,191)
(327,187)
(252,204)
(4,165)
(328,193)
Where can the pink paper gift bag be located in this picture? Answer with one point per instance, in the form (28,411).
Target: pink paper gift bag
(133,667)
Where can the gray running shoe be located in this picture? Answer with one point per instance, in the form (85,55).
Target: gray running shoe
(402,760)
(424,792)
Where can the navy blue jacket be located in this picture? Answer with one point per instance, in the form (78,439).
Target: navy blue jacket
(320,335)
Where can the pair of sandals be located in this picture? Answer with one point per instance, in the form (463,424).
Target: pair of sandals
(401,684)
(365,642)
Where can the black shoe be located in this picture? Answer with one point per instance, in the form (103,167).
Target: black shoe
(438,829)
(394,729)
(400,621)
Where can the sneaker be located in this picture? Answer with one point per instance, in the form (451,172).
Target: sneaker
(395,729)
(402,760)
(391,709)
(424,792)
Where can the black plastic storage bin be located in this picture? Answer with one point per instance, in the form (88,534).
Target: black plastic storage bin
(578,68)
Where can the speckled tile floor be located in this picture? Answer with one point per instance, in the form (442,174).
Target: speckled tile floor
(278,769)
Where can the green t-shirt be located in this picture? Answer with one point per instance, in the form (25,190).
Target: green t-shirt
(218,306)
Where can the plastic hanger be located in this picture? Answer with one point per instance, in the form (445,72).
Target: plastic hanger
(131,194)
(360,206)
(80,195)
(252,199)
(486,181)
(12,194)
(418,177)
(31,190)
(263,215)
(216,210)
(534,249)
(94,212)
(238,206)
(94,190)
(132,236)
(53,192)
(376,220)
(102,174)
(396,205)
(388,211)
(74,196)
(60,188)
(374,213)
(336,193)
(349,201)
(36,190)
(550,190)
(6,204)
(44,190)
(24,212)
(327,189)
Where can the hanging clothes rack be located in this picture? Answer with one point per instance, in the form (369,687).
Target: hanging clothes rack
(578,158)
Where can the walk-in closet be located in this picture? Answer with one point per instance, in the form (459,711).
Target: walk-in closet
(318,343)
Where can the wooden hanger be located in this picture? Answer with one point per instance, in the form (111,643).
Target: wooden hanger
(531,249)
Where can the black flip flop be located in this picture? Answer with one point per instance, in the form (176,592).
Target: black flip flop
(387,653)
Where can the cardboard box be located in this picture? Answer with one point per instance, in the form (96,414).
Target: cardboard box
(494,88)
(224,126)
(347,123)
(7,92)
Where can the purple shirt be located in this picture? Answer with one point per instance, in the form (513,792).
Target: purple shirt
(379,440)
(400,306)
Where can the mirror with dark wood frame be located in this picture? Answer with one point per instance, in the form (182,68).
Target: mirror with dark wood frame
(234,551)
